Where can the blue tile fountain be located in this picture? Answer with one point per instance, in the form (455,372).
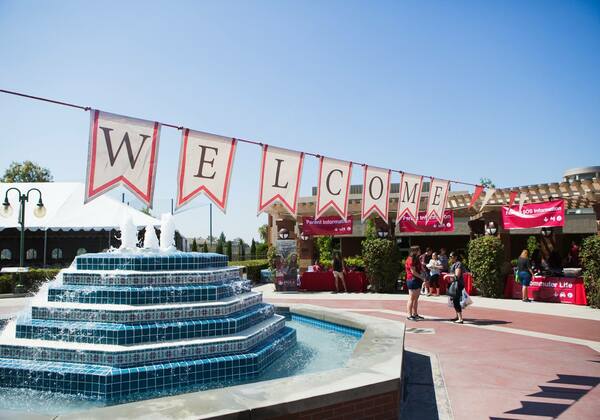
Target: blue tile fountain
(142,320)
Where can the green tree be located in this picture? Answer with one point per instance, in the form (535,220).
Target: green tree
(242,249)
(253,249)
(205,247)
(486,182)
(221,243)
(590,261)
(532,245)
(26,171)
(263,232)
(194,245)
(486,257)
(229,250)
(383,264)
(325,247)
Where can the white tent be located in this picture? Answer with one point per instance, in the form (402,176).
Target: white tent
(66,210)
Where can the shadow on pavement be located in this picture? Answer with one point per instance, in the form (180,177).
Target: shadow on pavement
(563,392)
(419,398)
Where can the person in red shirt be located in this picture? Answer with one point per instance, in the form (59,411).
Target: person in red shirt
(414,281)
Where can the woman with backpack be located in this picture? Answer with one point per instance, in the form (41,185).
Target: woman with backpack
(457,286)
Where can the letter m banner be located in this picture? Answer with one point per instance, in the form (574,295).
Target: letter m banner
(122,151)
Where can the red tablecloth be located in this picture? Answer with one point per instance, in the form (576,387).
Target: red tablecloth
(320,281)
(549,289)
(446,278)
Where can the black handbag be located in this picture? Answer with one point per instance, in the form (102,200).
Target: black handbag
(453,288)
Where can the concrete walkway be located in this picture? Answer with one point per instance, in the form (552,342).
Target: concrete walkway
(510,360)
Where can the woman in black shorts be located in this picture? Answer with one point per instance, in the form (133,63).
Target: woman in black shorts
(414,281)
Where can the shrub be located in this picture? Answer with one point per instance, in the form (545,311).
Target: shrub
(32,280)
(486,257)
(532,245)
(382,263)
(325,245)
(590,261)
(253,267)
(356,262)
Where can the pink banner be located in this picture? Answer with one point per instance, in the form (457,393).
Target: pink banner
(405,224)
(536,215)
(327,225)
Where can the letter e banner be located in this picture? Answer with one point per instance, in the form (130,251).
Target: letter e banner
(205,163)
(122,151)
(438,194)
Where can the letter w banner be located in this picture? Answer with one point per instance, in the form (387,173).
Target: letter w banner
(376,192)
(438,194)
(410,195)
(122,151)
(205,163)
(280,174)
(333,186)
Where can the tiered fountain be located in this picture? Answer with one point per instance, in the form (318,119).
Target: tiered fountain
(142,320)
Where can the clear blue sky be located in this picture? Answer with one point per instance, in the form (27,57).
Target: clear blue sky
(508,90)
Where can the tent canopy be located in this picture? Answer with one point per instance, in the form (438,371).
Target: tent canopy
(65,209)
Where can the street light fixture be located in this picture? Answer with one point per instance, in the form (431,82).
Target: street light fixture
(304,237)
(491,229)
(6,211)
(284,233)
(546,231)
(382,233)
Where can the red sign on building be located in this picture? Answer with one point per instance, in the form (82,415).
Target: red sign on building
(536,215)
(327,225)
(405,224)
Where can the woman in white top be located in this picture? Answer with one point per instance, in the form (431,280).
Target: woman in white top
(435,268)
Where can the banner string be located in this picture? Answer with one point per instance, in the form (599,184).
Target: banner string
(180,127)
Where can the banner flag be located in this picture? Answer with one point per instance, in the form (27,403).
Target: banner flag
(122,151)
(327,225)
(522,199)
(475,196)
(333,186)
(376,192)
(438,197)
(488,194)
(511,198)
(205,163)
(535,215)
(410,196)
(280,174)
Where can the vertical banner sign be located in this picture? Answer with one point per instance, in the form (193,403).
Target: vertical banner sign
(488,195)
(410,195)
(522,199)
(122,151)
(511,198)
(333,186)
(438,195)
(376,192)
(280,174)
(205,163)
(476,194)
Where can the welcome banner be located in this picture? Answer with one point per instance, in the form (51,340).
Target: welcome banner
(205,164)
(122,151)
(410,196)
(280,178)
(536,215)
(406,224)
(438,195)
(333,186)
(376,192)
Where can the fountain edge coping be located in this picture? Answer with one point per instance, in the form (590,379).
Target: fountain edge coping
(374,368)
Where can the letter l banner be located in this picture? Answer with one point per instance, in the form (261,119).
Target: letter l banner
(280,174)
(438,194)
(205,164)
(376,192)
(122,151)
(333,186)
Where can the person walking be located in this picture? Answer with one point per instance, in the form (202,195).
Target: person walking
(435,269)
(414,281)
(457,286)
(424,259)
(525,274)
(338,272)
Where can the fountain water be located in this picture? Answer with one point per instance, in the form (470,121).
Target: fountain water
(137,320)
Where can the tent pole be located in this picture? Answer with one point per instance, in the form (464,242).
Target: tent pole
(45,245)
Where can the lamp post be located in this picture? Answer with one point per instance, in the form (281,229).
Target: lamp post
(284,233)
(304,237)
(491,229)
(382,233)
(546,231)
(6,211)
